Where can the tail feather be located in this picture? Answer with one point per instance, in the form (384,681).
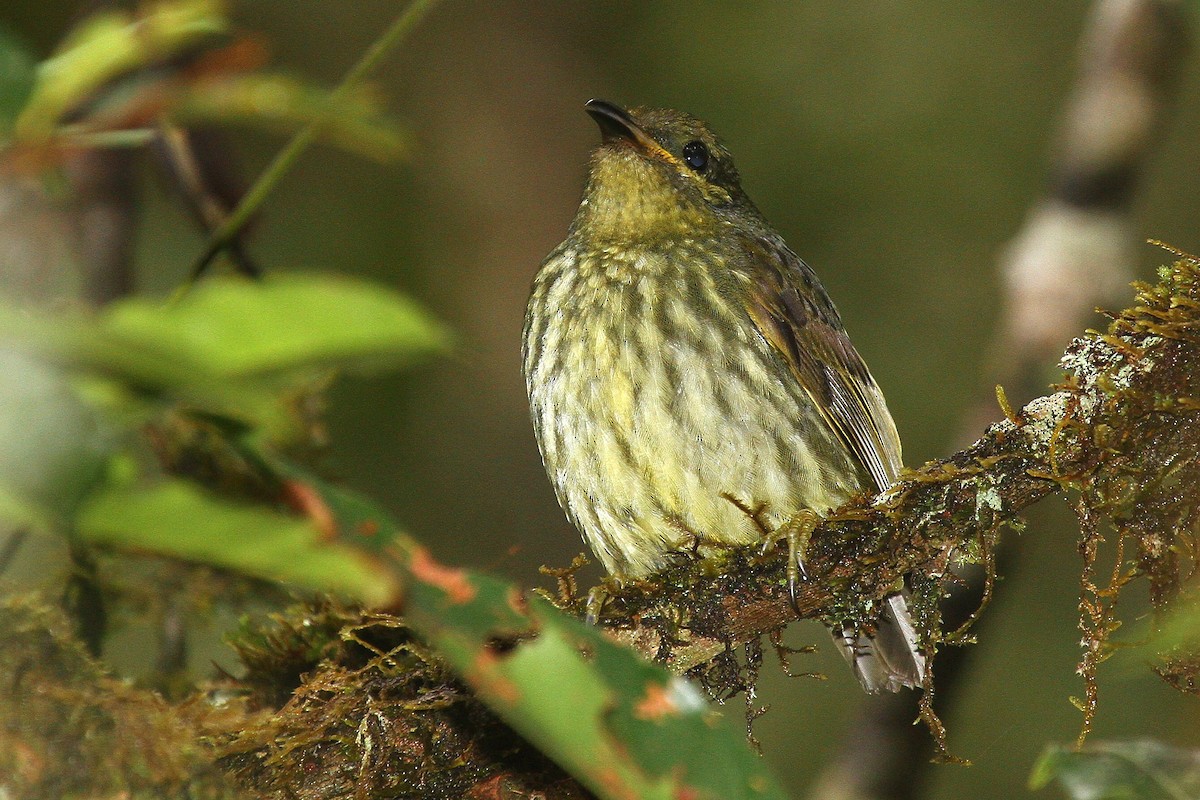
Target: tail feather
(891,657)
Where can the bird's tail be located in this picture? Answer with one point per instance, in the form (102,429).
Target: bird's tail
(891,656)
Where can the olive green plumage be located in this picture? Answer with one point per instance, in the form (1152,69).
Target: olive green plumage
(683,366)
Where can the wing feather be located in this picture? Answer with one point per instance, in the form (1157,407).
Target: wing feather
(794,314)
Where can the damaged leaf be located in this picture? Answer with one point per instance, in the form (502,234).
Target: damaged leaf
(623,726)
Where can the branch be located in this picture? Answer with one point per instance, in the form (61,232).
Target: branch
(1129,402)
(1076,249)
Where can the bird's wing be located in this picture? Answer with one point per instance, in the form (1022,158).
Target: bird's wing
(792,312)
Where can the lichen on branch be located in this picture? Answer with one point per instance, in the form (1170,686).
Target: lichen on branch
(1120,436)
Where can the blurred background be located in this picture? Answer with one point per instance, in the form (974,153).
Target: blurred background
(897,146)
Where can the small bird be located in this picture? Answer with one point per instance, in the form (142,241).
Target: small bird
(690,380)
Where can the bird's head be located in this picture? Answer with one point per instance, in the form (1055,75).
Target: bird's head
(657,173)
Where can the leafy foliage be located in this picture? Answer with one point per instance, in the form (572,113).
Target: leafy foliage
(179,61)
(178,519)
(171,427)
(620,725)
(233,350)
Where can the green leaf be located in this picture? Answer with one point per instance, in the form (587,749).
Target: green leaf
(355,519)
(128,69)
(624,727)
(233,346)
(235,328)
(110,44)
(16,79)
(1134,770)
(52,447)
(360,521)
(175,518)
(351,120)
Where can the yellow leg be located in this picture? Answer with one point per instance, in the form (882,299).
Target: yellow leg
(797,531)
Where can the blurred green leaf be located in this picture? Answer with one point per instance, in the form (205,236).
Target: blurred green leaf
(625,728)
(107,45)
(52,449)
(355,519)
(235,328)
(178,519)
(351,120)
(232,346)
(1136,770)
(17,73)
(111,66)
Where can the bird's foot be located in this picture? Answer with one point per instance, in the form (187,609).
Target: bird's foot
(797,532)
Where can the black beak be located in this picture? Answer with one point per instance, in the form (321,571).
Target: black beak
(614,121)
(616,125)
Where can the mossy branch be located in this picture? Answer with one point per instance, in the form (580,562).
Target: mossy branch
(1119,430)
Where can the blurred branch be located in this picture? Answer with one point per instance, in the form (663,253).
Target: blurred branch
(103,216)
(83,600)
(12,543)
(201,166)
(1074,253)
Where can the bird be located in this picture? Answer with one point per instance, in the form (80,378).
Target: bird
(690,380)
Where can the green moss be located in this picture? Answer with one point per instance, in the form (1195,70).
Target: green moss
(352,703)
(72,730)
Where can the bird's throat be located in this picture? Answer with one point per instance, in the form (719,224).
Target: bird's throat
(630,197)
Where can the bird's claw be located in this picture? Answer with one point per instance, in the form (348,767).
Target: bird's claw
(797,531)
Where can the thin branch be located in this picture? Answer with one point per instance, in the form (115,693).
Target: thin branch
(290,154)
(1076,249)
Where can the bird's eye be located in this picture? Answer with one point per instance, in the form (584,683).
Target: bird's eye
(695,155)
